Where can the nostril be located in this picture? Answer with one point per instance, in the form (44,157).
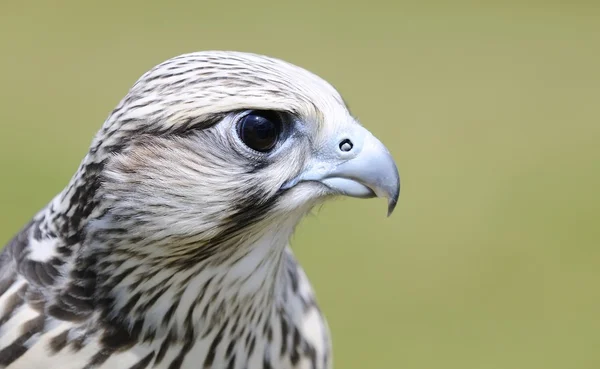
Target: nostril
(346,145)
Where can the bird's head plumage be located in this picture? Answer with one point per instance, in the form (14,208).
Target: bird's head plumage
(208,145)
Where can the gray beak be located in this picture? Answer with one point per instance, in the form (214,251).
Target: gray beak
(356,164)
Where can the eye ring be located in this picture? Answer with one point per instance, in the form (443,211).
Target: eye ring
(260,130)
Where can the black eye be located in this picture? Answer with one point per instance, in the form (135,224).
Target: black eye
(259,131)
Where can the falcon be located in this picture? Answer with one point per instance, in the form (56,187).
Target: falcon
(169,247)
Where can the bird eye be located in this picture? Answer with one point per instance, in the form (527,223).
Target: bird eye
(259,131)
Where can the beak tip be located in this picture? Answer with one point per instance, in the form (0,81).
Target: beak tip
(393,193)
(391,206)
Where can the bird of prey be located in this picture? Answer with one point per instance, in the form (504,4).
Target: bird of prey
(169,246)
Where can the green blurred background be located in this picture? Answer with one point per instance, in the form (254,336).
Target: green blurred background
(492,111)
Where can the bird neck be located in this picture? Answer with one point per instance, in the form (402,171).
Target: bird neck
(250,277)
(248,283)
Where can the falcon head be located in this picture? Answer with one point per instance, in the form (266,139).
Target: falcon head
(201,173)
(212,146)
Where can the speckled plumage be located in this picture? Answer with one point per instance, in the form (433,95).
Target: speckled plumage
(169,246)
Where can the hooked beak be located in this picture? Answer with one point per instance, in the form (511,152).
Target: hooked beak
(355,165)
